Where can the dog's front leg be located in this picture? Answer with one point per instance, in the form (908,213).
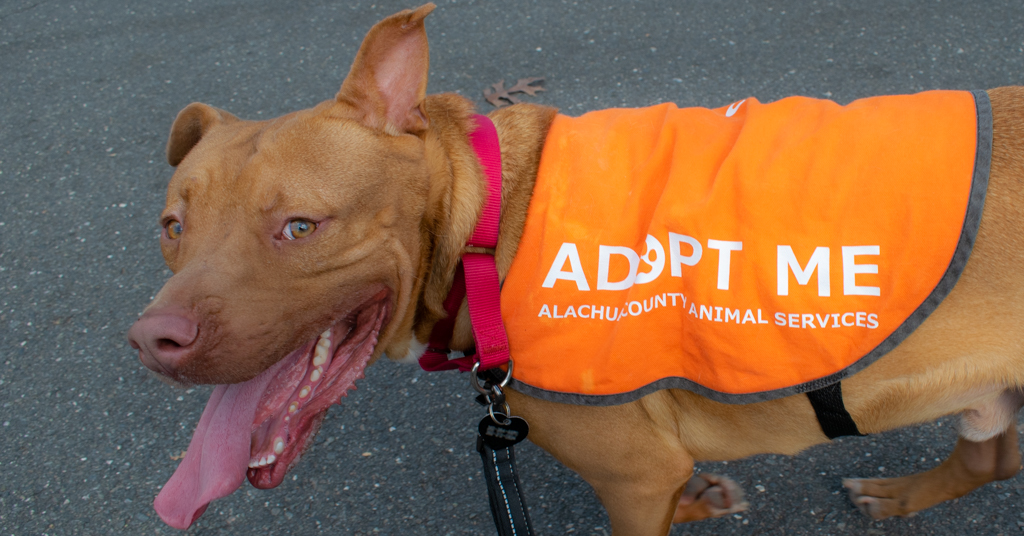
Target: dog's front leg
(634,459)
(636,465)
(971,465)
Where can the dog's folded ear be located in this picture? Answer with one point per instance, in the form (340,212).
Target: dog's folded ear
(190,126)
(388,79)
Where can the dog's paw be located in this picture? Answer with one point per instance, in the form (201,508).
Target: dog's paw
(877,498)
(709,495)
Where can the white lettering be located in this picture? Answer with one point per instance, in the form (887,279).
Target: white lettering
(639,308)
(872,321)
(705,311)
(733,314)
(787,260)
(568,252)
(822,320)
(850,323)
(749,317)
(725,249)
(657,265)
(650,308)
(806,320)
(851,269)
(676,259)
(604,259)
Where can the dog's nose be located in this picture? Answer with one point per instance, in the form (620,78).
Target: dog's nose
(164,339)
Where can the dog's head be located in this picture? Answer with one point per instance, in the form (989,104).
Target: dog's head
(300,247)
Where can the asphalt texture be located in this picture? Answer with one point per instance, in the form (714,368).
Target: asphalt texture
(89,91)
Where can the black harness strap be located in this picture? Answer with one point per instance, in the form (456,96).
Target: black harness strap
(828,405)
(503,490)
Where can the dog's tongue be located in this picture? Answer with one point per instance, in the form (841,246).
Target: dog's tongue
(218,455)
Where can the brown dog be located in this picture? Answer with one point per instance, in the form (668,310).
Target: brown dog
(307,246)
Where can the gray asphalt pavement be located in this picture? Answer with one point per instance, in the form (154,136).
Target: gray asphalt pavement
(89,90)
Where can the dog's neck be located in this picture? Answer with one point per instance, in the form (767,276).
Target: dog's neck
(457,194)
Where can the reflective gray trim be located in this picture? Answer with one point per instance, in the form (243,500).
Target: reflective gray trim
(972,219)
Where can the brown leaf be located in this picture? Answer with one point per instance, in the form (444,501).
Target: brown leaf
(523,86)
(498,96)
(179,456)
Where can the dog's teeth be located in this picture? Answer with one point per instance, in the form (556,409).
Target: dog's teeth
(271,459)
(319,356)
(304,392)
(293,407)
(278,445)
(254,463)
(324,343)
(315,375)
(326,335)
(263,462)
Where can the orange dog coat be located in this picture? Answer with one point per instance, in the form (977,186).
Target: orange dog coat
(745,253)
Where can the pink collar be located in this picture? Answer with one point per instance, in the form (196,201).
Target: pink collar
(477,274)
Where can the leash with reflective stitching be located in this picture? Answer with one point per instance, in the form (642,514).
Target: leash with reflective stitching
(476,280)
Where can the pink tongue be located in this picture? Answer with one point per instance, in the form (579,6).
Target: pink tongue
(218,455)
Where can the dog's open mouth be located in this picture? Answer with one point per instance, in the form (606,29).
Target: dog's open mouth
(259,429)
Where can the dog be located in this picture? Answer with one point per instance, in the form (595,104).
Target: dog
(306,247)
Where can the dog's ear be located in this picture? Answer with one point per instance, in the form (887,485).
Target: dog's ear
(190,126)
(388,79)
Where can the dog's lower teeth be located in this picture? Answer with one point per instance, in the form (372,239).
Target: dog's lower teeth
(315,375)
(279,446)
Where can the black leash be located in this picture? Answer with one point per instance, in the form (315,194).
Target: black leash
(498,434)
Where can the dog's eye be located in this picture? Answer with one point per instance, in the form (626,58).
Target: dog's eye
(299,229)
(173,228)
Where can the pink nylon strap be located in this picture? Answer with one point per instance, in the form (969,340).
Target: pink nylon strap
(481,273)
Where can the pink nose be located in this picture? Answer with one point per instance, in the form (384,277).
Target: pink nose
(164,339)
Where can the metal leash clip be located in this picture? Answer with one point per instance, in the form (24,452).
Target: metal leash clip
(499,429)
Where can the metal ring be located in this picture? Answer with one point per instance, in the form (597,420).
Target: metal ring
(508,375)
(508,411)
(497,396)
(475,382)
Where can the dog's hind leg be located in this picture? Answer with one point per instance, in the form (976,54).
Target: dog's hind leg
(986,451)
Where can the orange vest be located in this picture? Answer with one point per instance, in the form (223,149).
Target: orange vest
(745,253)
